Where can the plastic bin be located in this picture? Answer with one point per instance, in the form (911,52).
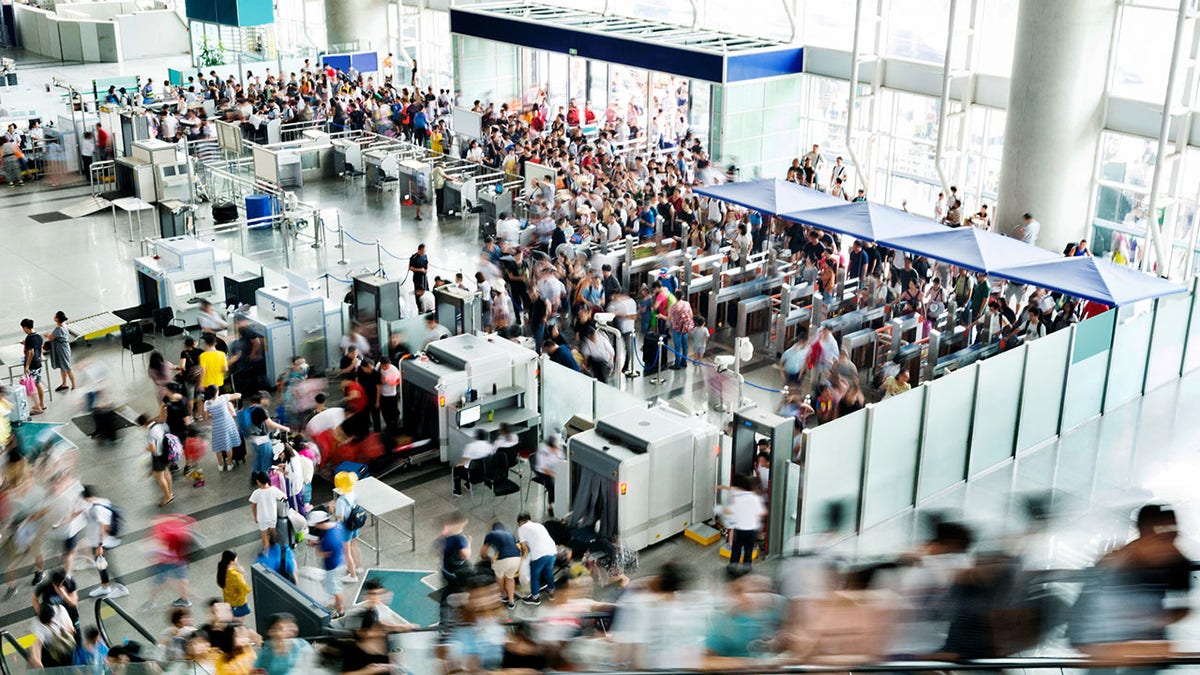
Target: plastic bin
(259,207)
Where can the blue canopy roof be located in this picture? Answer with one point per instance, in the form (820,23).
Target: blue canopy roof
(971,248)
(769,195)
(1092,279)
(865,220)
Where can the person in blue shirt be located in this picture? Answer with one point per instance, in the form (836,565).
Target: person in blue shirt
(420,127)
(646,221)
(328,541)
(283,652)
(92,651)
(561,354)
(507,560)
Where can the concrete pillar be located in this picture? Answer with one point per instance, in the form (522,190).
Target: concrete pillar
(1055,116)
(361,21)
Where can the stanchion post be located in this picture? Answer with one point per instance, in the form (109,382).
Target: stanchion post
(341,244)
(378,255)
(658,378)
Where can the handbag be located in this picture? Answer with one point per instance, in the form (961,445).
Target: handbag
(30,384)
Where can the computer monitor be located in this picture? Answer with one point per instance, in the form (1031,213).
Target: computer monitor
(203,285)
(183,288)
(468,416)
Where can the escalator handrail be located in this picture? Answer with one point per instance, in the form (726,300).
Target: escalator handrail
(101,602)
(11,639)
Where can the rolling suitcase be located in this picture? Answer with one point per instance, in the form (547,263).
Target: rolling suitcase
(650,351)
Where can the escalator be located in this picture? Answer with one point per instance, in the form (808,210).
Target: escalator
(117,628)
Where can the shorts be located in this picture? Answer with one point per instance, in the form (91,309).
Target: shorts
(158,463)
(36,374)
(263,527)
(70,543)
(507,568)
(165,571)
(333,580)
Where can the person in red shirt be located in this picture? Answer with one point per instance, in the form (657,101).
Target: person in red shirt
(589,116)
(102,139)
(573,114)
(174,537)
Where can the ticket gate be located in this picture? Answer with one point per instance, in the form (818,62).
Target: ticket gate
(792,310)
(861,345)
(754,320)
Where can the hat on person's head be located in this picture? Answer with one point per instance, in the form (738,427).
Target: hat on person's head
(317,517)
(343,482)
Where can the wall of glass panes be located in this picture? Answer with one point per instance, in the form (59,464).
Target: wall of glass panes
(1123,200)
(486,70)
(901,151)
(759,134)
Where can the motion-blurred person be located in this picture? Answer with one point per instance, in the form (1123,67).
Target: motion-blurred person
(747,618)
(172,539)
(659,624)
(923,584)
(103,530)
(159,449)
(1135,593)
(283,652)
(328,541)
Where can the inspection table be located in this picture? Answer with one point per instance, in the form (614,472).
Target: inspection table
(378,498)
(130,205)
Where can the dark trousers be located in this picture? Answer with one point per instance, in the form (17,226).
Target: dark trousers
(741,551)
(461,473)
(548,481)
(376,419)
(390,407)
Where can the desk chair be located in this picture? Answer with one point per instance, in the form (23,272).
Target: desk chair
(133,341)
(349,173)
(165,324)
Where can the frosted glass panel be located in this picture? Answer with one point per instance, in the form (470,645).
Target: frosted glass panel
(1091,342)
(996,404)
(1127,365)
(1085,391)
(1166,343)
(947,435)
(833,471)
(1042,393)
(610,400)
(892,456)
(565,393)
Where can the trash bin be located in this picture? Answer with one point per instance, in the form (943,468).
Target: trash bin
(259,207)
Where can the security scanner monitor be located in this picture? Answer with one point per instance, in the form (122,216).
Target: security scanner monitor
(642,475)
(469,383)
(751,425)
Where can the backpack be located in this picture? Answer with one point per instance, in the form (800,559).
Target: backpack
(171,448)
(355,519)
(117,521)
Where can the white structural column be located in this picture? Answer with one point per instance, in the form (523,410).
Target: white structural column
(361,21)
(1055,116)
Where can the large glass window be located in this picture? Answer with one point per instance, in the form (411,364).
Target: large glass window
(997,36)
(1144,44)
(916,30)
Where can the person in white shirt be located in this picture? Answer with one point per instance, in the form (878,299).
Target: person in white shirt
(424,299)
(508,229)
(389,393)
(506,442)
(547,460)
(477,449)
(434,331)
(264,506)
(539,546)
(743,514)
(99,526)
(1028,231)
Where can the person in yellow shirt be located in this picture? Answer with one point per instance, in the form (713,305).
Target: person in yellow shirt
(437,140)
(213,364)
(234,588)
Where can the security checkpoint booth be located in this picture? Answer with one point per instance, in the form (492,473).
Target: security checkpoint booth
(469,383)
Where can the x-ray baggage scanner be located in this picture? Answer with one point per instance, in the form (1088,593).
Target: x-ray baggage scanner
(304,310)
(469,383)
(181,272)
(643,475)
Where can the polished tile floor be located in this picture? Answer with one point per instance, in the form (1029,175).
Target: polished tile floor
(1099,471)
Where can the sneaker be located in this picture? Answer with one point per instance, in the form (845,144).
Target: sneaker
(100,592)
(9,593)
(118,591)
(510,605)
(350,579)
(181,602)
(456,493)
(38,576)
(550,595)
(531,600)
(198,483)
